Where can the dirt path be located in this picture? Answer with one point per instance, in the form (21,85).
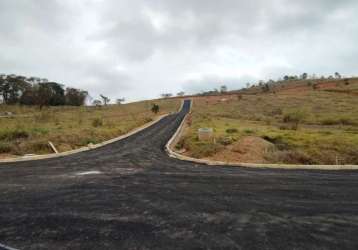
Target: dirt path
(130,195)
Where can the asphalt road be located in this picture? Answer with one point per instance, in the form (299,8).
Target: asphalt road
(131,195)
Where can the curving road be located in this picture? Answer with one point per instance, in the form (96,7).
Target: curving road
(131,195)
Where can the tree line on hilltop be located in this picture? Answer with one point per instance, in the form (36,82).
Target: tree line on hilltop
(15,89)
(266,86)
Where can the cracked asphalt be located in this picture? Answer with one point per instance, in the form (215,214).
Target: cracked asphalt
(131,195)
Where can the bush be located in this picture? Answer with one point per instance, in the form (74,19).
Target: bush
(339,121)
(148,119)
(291,157)
(347,121)
(231,130)
(330,121)
(294,117)
(14,135)
(278,142)
(249,131)
(41,131)
(202,149)
(97,122)
(5,148)
(225,141)
(180,144)
(276,111)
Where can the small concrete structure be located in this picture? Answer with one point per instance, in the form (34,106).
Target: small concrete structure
(205,134)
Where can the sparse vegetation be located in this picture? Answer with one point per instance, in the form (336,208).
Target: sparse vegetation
(303,126)
(232,130)
(97,122)
(28,129)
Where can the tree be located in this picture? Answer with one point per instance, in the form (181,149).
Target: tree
(97,103)
(12,87)
(49,94)
(265,88)
(155,108)
(105,99)
(337,75)
(38,91)
(247,85)
(223,89)
(182,93)
(29,97)
(43,94)
(286,78)
(304,76)
(119,101)
(75,97)
(57,93)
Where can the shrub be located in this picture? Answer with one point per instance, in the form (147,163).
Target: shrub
(202,149)
(41,131)
(14,135)
(231,130)
(276,111)
(40,146)
(339,121)
(225,141)
(5,148)
(148,119)
(97,122)
(180,144)
(249,131)
(347,121)
(330,121)
(278,142)
(291,157)
(294,117)
(155,108)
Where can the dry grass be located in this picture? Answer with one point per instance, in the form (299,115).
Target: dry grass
(310,127)
(30,129)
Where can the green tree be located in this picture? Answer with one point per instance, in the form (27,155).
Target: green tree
(75,97)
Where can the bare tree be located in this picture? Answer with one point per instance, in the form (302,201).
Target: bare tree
(119,101)
(105,99)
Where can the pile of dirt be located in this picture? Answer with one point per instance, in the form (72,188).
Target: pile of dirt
(250,149)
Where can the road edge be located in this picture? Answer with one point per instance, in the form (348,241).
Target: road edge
(84,149)
(176,136)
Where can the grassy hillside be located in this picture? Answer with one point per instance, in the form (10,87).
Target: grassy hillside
(293,123)
(28,130)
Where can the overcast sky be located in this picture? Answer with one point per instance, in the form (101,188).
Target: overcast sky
(138,49)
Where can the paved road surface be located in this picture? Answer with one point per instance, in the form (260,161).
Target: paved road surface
(130,195)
